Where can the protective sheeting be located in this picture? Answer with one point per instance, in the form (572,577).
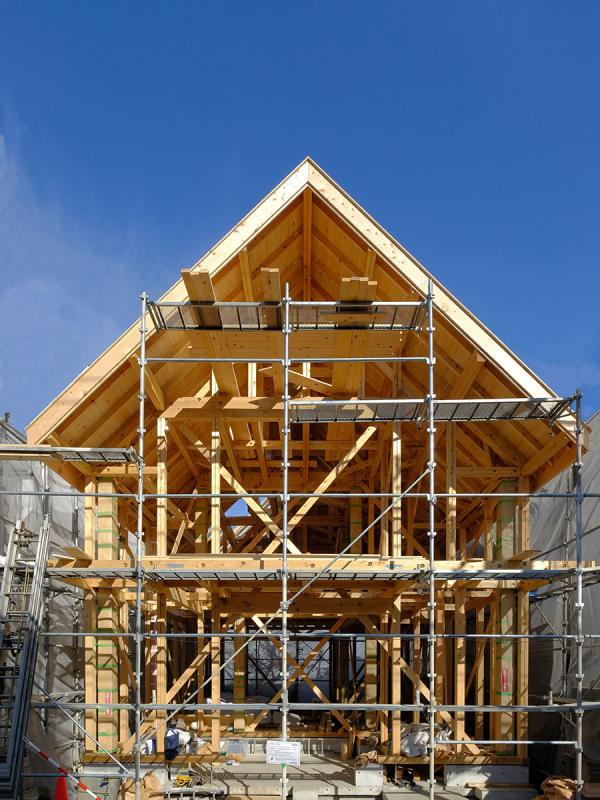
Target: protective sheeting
(552,663)
(59,664)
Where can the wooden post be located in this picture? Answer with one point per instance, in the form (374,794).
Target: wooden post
(201,526)
(480,675)
(384,546)
(108,622)
(371,660)
(396,668)
(505,650)
(215,488)
(416,665)
(240,670)
(161,667)
(451,488)
(123,673)
(440,649)
(161,487)
(384,675)
(522,669)
(201,669)
(396,470)
(355,521)
(524,515)
(215,666)
(460,659)
(370,518)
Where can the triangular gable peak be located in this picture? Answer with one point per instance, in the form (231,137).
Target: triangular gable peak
(315,235)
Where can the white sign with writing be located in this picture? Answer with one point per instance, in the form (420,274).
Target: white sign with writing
(283,753)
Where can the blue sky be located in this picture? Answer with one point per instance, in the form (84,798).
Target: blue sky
(133,135)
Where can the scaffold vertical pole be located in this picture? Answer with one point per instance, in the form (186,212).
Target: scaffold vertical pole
(284,534)
(578,467)
(431,536)
(138,551)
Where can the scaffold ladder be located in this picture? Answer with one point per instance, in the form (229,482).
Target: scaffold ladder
(21,609)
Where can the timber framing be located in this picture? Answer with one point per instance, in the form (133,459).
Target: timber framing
(273,497)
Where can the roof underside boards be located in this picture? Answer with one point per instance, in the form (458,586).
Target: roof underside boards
(314,235)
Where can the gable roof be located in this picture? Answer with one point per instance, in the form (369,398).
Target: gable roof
(306,211)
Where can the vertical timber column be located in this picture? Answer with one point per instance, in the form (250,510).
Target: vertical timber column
(396,669)
(384,677)
(524,515)
(522,669)
(460,664)
(371,659)
(451,488)
(89,606)
(440,648)
(416,663)
(355,520)
(161,667)
(215,488)
(396,511)
(108,621)
(123,675)
(480,672)
(201,526)
(201,642)
(384,546)
(215,671)
(240,671)
(505,649)
(161,487)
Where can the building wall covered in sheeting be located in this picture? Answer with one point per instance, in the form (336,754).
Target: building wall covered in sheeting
(552,664)
(59,665)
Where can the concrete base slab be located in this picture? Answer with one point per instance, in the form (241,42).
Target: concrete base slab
(461,775)
(506,792)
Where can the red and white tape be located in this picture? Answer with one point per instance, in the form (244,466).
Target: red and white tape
(63,772)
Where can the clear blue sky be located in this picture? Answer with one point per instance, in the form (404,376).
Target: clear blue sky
(133,135)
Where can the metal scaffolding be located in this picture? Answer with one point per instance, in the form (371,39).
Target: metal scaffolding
(290,316)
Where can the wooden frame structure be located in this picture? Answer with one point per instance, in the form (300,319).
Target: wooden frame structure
(330,449)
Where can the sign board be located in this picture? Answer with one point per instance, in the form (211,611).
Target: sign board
(283,753)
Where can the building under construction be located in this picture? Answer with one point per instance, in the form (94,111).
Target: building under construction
(305,479)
